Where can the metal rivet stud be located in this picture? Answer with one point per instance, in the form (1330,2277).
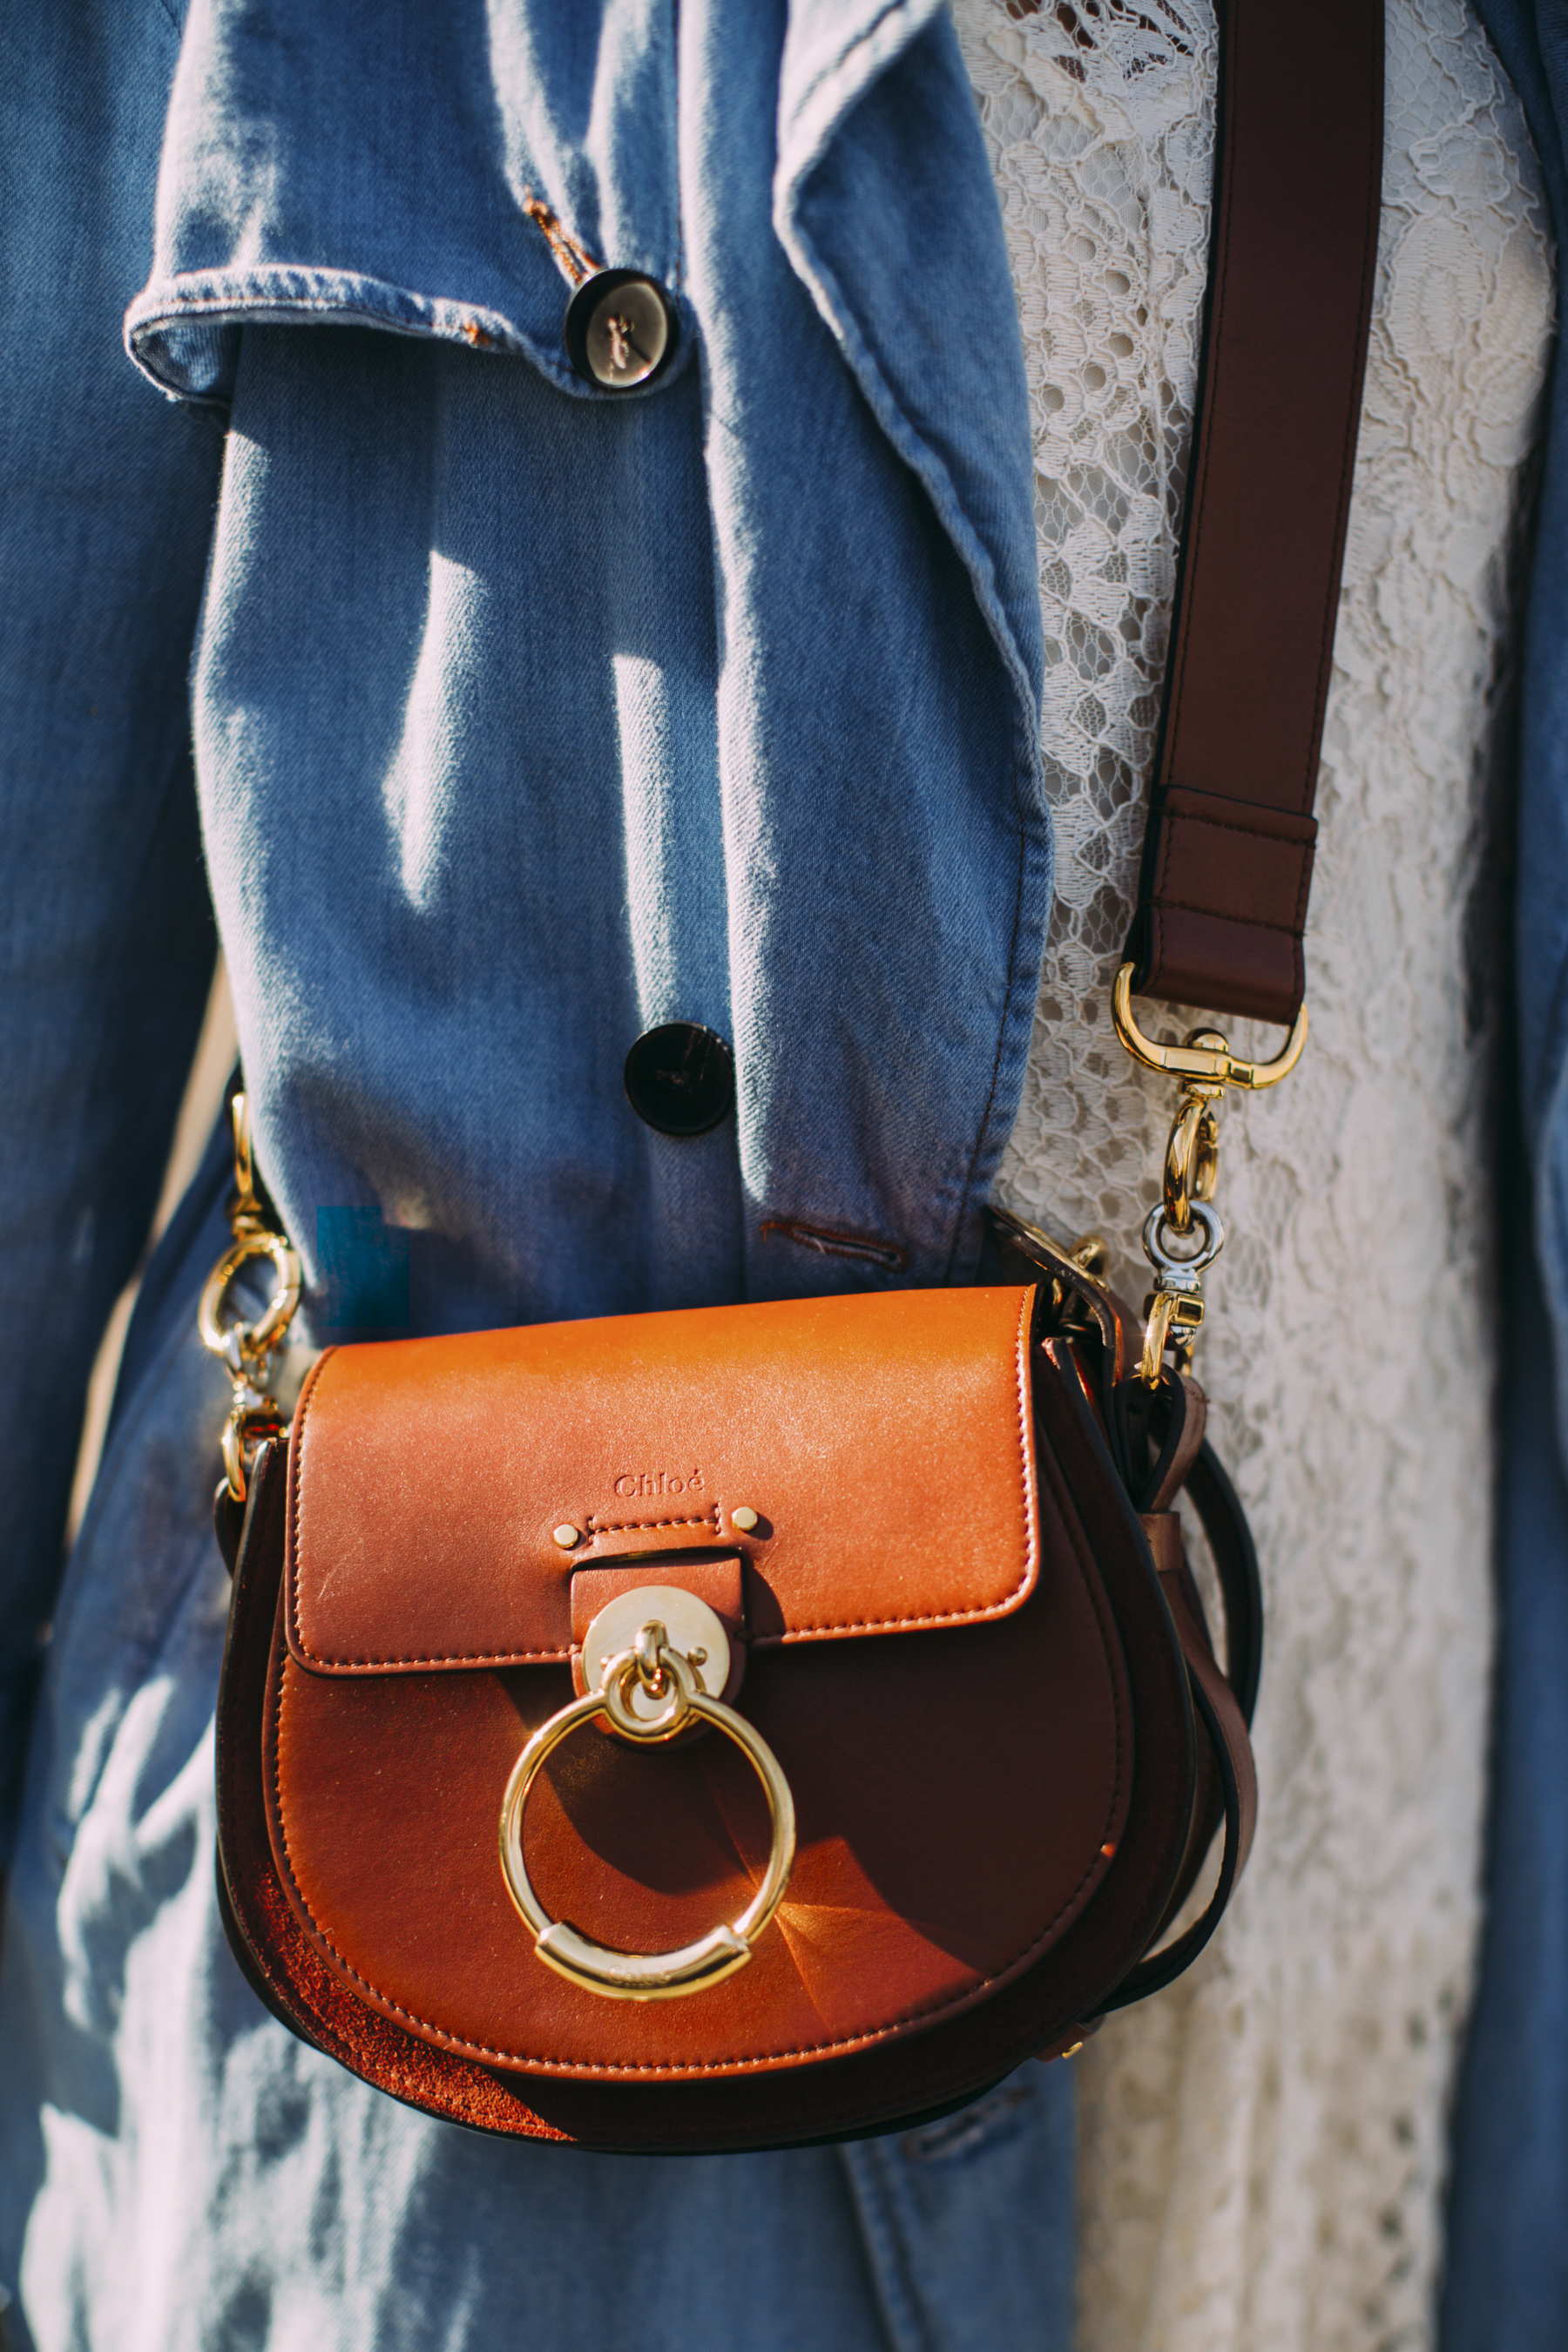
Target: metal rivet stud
(567,1536)
(745,1518)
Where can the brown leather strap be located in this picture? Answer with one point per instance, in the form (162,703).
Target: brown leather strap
(1228,1726)
(1227,856)
(1164,1967)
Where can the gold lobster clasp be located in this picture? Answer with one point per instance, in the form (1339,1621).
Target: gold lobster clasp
(1182,1234)
(246,1349)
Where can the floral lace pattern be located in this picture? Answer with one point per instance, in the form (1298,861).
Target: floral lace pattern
(1262,2146)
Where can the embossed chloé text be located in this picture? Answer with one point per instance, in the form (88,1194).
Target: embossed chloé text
(658,1482)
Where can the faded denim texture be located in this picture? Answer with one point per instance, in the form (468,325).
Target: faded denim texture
(525,718)
(524,722)
(1507,2284)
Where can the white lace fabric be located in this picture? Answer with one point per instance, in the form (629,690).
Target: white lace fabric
(1263,2144)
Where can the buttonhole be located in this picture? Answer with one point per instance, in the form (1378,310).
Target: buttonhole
(830,1242)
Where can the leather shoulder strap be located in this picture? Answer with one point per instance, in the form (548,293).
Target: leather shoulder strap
(1229,852)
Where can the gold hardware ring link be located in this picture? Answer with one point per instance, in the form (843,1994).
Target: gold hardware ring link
(647,1976)
(245,1350)
(249,1339)
(1192,1156)
(246,1427)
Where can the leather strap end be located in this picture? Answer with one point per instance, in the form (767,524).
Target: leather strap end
(1225,905)
(1296,215)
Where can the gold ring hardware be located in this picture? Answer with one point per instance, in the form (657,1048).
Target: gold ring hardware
(250,1423)
(240,1339)
(692,1628)
(1205,1066)
(648,1667)
(247,1349)
(1192,1157)
(1091,1254)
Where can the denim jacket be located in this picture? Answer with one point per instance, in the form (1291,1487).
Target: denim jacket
(1505,2287)
(526,717)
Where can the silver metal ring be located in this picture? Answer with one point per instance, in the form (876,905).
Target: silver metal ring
(1163,1260)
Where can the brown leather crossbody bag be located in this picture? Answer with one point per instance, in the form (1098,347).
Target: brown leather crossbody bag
(767,1724)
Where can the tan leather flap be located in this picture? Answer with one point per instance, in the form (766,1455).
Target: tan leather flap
(883,1443)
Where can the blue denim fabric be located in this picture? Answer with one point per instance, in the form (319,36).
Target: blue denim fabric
(1505,2288)
(1507,2279)
(528,716)
(106,940)
(1532,38)
(525,718)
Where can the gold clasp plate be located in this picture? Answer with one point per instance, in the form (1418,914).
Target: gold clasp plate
(692,1628)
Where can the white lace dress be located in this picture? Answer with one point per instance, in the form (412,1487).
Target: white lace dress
(1263,2146)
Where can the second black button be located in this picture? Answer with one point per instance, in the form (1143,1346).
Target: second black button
(680,1079)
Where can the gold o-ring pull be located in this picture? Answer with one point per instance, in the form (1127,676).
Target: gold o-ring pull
(240,1339)
(651,1662)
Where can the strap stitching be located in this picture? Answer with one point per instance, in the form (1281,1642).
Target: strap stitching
(1373,220)
(1170,817)
(1205,419)
(1253,923)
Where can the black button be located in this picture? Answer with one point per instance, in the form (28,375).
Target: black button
(621,328)
(680,1079)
